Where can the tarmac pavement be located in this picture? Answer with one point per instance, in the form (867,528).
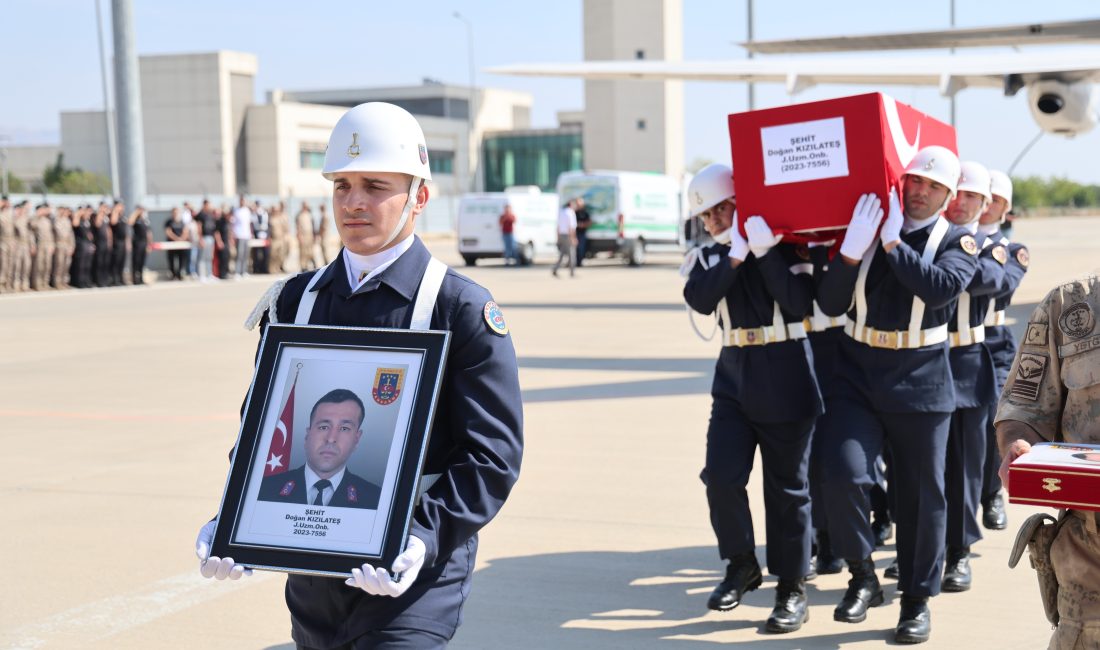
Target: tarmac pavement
(120,406)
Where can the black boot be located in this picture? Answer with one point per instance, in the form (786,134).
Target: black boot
(790,610)
(882,529)
(993,513)
(915,621)
(742,576)
(892,571)
(863,591)
(827,563)
(956,571)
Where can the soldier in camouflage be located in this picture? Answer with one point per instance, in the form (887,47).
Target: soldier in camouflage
(1053,393)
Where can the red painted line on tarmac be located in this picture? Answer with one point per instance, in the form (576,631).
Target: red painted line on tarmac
(70,415)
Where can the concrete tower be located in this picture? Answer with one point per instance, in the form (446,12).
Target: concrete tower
(634,125)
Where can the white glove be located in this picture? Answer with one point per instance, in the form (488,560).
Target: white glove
(739,248)
(861,229)
(891,228)
(815,244)
(760,235)
(215,567)
(377,582)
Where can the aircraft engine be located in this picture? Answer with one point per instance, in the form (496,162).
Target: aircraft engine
(1063,108)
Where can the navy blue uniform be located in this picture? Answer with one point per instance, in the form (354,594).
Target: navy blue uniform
(824,333)
(1001,344)
(476,444)
(887,393)
(975,390)
(764,394)
(290,487)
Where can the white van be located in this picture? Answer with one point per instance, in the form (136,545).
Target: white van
(632,212)
(536,227)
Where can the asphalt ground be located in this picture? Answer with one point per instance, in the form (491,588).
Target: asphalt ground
(119,406)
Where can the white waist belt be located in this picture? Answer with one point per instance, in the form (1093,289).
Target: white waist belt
(995,318)
(898,340)
(968,337)
(814,324)
(745,336)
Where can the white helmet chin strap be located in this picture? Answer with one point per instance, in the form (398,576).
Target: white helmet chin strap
(414,187)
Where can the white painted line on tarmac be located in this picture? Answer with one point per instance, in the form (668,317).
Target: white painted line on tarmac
(129,417)
(108,617)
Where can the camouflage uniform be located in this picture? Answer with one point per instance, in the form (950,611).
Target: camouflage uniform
(63,253)
(21,273)
(41,228)
(7,249)
(1054,387)
(280,240)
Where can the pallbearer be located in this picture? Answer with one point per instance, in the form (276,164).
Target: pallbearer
(972,370)
(764,395)
(999,339)
(899,288)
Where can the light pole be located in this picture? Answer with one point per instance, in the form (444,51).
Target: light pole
(471,108)
(112,155)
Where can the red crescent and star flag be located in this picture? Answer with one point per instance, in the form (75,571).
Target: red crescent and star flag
(278,454)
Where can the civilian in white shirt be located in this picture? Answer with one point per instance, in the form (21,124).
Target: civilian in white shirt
(567,238)
(242,234)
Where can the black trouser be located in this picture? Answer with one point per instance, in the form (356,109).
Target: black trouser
(101,266)
(855,437)
(137,263)
(118,264)
(732,440)
(222,256)
(85,264)
(177,263)
(398,639)
(966,448)
(259,259)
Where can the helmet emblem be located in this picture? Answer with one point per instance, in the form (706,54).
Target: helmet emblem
(353,150)
(930,165)
(423,154)
(698,199)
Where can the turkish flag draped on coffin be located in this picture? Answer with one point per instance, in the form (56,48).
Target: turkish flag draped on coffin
(803,167)
(278,455)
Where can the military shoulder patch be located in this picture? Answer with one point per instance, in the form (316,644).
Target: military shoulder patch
(1036,334)
(1077,320)
(969,245)
(1000,254)
(494,318)
(1029,376)
(353,494)
(1023,257)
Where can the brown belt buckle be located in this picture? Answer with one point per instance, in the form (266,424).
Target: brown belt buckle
(881,339)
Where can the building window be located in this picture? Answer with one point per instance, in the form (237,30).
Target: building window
(639,54)
(311,155)
(441,162)
(641,125)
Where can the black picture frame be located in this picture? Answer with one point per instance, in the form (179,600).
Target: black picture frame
(263,523)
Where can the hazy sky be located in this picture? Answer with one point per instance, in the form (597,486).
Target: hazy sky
(51,57)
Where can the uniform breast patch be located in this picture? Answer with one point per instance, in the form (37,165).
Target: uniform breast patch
(494,318)
(1029,376)
(287,489)
(1077,320)
(969,245)
(1023,257)
(1000,254)
(1036,334)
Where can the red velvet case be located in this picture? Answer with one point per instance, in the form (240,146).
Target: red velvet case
(803,167)
(1057,475)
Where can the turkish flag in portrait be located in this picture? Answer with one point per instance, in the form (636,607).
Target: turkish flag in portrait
(278,455)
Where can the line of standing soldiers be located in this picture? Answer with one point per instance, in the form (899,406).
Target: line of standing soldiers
(893,344)
(58,249)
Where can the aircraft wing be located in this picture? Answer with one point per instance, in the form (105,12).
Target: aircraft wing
(1056,33)
(951,73)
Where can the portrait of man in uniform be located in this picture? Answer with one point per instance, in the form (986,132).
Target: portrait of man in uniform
(335,427)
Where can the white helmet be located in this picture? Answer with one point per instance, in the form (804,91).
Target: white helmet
(1001,185)
(712,185)
(377,137)
(938,164)
(974,177)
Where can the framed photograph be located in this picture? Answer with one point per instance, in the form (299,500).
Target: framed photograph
(328,461)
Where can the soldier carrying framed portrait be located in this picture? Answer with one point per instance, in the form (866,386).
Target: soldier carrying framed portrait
(328,462)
